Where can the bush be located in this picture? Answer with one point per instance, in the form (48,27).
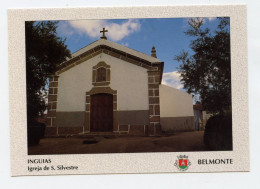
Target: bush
(218,133)
(35,131)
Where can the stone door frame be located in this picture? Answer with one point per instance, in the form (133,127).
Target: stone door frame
(99,90)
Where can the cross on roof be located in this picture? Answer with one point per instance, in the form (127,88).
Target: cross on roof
(103,31)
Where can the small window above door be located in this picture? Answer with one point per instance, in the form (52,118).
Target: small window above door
(101,74)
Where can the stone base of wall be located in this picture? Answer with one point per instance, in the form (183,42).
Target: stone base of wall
(168,124)
(172,124)
(70,119)
(139,130)
(61,131)
(133,117)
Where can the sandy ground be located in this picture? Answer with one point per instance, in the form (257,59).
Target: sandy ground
(179,142)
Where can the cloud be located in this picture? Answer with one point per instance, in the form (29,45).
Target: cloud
(172,79)
(65,29)
(116,31)
(125,44)
(210,19)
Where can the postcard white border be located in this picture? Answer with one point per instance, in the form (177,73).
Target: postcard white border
(124,162)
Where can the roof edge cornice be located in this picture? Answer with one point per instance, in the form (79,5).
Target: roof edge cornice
(112,52)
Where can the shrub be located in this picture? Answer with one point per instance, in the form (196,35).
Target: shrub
(218,133)
(35,131)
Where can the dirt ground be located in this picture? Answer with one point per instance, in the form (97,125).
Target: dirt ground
(179,142)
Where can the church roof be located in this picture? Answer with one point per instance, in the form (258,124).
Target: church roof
(116,46)
(113,49)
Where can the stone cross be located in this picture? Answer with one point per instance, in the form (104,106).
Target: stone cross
(103,31)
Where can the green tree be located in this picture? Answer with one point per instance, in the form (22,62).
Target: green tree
(207,72)
(44,51)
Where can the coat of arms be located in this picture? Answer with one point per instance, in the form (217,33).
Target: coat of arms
(182,163)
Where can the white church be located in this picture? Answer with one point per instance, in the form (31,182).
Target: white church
(107,88)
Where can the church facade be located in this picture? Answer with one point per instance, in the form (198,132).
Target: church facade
(109,88)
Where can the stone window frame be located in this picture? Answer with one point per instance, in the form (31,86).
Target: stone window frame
(101,64)
(100,90)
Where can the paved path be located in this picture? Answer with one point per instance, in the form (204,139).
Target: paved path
(183,141)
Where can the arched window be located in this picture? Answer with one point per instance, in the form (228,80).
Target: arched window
(101,74)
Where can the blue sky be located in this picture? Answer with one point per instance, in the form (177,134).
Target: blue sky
(166,34)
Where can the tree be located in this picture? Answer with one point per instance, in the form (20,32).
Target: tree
(44,51)
(207,72)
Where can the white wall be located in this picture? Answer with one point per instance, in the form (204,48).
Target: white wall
(174,102)
(129,80)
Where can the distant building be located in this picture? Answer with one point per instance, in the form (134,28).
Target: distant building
(200,116)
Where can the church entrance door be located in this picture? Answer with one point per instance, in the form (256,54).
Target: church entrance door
(101,113)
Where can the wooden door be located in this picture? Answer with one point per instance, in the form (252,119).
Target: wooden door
(101,113)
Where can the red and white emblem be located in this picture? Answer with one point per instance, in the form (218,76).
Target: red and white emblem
(182,163)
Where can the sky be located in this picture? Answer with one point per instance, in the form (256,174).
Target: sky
(166,34)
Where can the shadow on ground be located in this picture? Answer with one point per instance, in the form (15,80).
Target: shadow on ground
(179,142)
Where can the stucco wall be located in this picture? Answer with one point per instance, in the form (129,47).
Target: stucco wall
(174,102)
(129,80)
(176,109)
